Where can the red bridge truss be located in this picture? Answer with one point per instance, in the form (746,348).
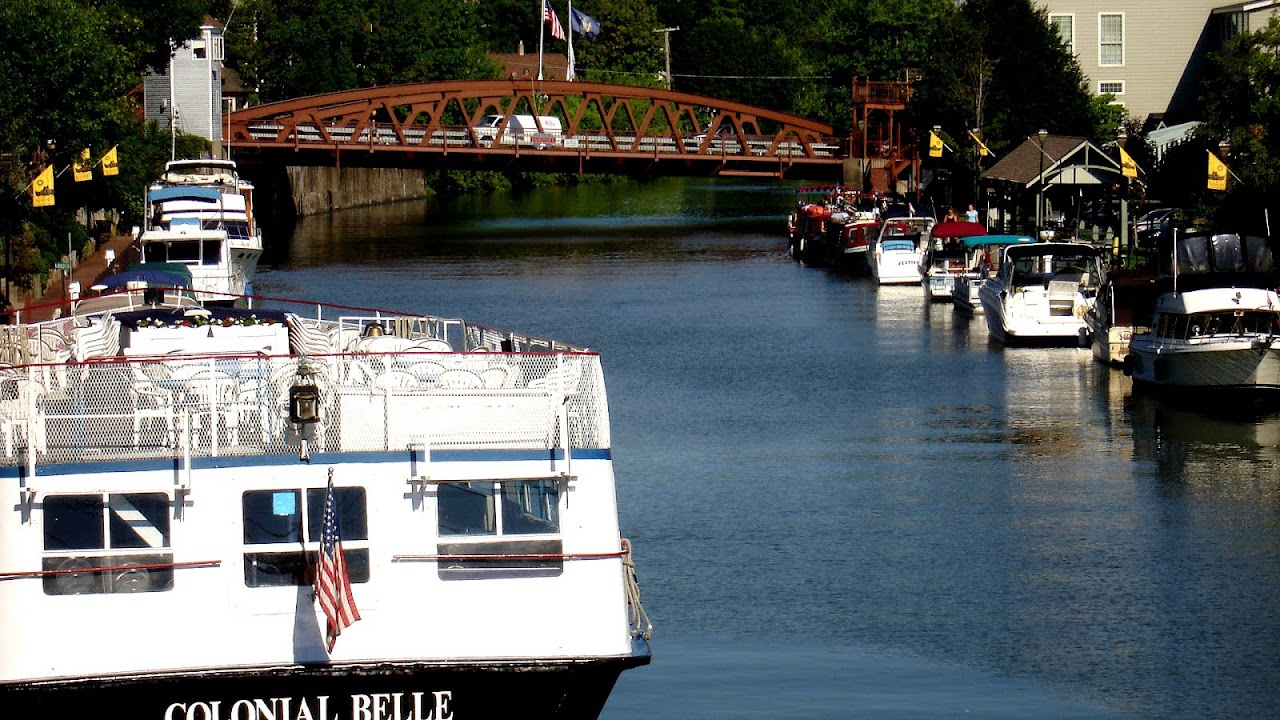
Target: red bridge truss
(548,126)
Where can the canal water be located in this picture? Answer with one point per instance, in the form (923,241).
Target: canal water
(845,503)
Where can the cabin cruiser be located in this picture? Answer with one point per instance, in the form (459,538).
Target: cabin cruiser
(982,255)
(201,214)
(303,511)
(1041,291)
(1214,330)
(898,248)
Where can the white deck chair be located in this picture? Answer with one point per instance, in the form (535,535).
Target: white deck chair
(458,379)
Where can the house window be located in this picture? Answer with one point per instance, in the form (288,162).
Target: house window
(493,526)
(1066,27)
(1111,39)
(282,534)
(219,51)
(1115,87)
(107,543)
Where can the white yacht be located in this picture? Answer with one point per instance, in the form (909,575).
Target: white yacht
(898,248)
(1041,292)
(217,512)
(201,214)
(1214,332)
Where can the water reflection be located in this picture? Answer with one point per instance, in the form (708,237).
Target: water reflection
(1221,453)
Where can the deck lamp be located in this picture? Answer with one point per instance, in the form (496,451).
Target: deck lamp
(304,407)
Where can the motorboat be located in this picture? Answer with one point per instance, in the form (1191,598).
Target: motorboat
(1041,291)
(898,248)
(201,214)
(1123,308)
(847,245)
(946,257)
(298,511)
(1213,332)
(982,255)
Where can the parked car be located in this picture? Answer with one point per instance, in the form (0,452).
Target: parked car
(1154,225)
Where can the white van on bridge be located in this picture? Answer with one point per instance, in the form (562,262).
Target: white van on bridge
(521,130)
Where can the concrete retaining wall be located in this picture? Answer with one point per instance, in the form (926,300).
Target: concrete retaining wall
(321,189)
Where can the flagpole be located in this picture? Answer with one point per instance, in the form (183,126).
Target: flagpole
(542,28)
(569,71)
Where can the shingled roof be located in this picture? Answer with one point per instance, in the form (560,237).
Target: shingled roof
(1067,160)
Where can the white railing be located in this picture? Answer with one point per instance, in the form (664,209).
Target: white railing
(190,406)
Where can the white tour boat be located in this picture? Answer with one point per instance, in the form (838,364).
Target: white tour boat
(1041,291)
(898,248)
(982,255)
(1214,332)
(199,501)
(201,214)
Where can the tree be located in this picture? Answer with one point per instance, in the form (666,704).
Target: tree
(68,68)
(1242,108)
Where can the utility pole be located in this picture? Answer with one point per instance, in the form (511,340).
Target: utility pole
(666,48)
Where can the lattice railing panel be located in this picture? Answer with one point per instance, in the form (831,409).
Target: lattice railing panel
(120,409)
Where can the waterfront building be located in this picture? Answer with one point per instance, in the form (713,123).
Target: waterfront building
(187,94)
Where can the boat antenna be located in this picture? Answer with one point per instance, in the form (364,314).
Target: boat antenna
(1175,261)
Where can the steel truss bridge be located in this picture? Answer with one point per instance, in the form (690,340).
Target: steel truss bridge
(616,129)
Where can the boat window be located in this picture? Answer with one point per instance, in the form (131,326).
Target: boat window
(107,543)
(183,251)
(211,252)
(519,507)
(282,534)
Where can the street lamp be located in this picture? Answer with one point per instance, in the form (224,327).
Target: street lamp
(1040,184)
(1122,139)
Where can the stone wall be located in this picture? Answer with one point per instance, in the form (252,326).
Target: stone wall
(321,189)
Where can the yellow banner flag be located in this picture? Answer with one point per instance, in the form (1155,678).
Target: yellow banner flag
(82,170)
(42,188)
(1127,166)
(982,147)
(935,144)
(110,163)
(1217,173)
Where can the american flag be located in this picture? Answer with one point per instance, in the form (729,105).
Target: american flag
(549,15)
(332,585)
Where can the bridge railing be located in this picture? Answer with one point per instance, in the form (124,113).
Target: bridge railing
(385,135)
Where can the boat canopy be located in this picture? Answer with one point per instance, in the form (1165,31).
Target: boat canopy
(153,274)
(186,192)
(957,229)
(984,240)
(1223,253)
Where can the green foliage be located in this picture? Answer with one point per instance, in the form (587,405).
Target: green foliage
(68,67)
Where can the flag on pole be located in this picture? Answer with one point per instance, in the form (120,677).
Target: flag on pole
(935,144)
(110,163)
(549,15)
(982,147)
(1128,167)
(42,188)
(82,169)
(1217,173)
(581,22)
(332,584)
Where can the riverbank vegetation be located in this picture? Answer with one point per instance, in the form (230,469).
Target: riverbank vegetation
(75,69)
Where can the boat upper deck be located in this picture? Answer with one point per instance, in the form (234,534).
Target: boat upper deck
(154,384)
